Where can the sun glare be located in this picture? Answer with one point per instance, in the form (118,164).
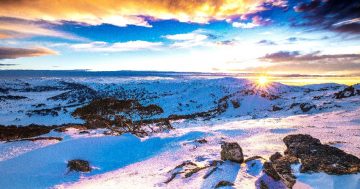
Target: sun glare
(263,80)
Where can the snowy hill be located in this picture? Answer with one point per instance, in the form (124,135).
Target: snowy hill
(203,113)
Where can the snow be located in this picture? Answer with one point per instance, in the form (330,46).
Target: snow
(132,162)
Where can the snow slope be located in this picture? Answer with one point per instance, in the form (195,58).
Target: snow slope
(129,162)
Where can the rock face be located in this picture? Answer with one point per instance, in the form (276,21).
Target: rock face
(78,165)
(316,157)
(232,151)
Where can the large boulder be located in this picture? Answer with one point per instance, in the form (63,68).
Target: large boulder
(78,165)
(280,168)
(232,151)
(317,157)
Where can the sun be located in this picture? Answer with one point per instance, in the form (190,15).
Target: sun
(263,80)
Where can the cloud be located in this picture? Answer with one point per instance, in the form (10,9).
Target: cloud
(187,37)
(336,15)
(266,42)
(12,53)
(1,65)
(19,28)
(100,46)
(255,22)
(130,12)
(192,39)
(314,62)
(295,56)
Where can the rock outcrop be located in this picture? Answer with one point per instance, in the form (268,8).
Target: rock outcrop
(317,157)
(9,133)
(305,107)
(347,92)
(79,165)
(314,157)
(232,151)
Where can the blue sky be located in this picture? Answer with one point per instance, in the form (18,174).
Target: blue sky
(261,36)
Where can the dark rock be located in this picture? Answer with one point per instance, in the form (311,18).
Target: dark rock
(201,141)
(11,97)
(347,92)
(317,97)
(44,112)
(263,185)
(37,138)
(232,151)
(84,132)
(269,170)
(280,169)
(276,108)
(293,105)
(275,156)
(8,133)
(253,158)
(235,103)
(78,165)
(305,107)
(316,157)
(223,183)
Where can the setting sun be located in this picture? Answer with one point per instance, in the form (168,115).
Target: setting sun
(263,80)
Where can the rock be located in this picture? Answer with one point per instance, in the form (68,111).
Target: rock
(235,103)
(253,158)
(9,133)
(37,139)
(84,132)
(305,107)
(263,185)
(269,170)
(78,165)
(276,108)
(316,157)
(232,151)
(223,183)
(280,169)
(201,141)
(347,92)
(275,156)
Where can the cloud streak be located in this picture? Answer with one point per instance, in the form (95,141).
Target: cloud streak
(131,12)
(336,15)
(100,46)
(19,28)
(13,53)
(315,62)
(295,56)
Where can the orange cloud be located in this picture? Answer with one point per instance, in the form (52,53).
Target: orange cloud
(14,28)
(122,13)
(12,53)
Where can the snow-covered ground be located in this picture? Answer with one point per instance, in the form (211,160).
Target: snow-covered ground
(127,161)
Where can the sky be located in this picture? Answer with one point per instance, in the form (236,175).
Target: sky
(317,39)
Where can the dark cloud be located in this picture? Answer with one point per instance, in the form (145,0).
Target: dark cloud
(336,15)
(280,56)
(12,53)
(295,56)
(266,42)
(1,65)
